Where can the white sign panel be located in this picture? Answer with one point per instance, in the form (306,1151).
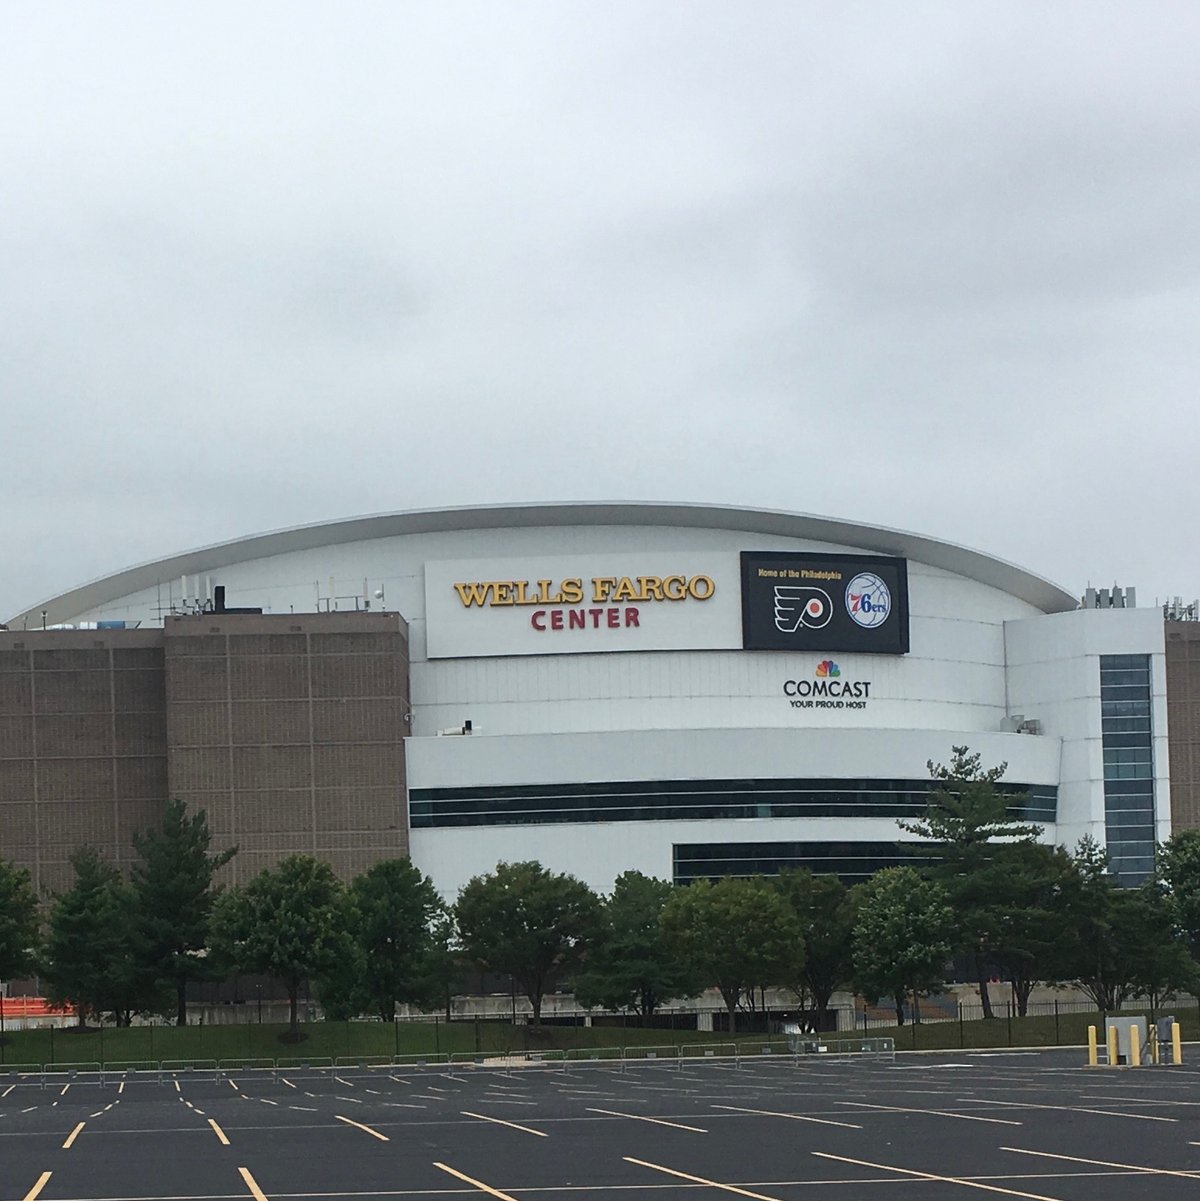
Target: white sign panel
(583,604)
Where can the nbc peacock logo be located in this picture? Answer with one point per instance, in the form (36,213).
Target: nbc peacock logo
(827,669)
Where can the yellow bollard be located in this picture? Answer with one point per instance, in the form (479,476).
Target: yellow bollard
(1135,1046)
(1176,1043)
(1113,1054)
(1092,1056)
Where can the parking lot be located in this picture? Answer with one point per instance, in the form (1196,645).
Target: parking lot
(1033,1125)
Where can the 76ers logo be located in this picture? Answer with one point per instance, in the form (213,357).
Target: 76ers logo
(868,600)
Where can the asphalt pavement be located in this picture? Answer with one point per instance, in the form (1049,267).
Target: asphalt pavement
(1034,1125)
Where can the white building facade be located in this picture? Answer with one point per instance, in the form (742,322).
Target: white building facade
(690,690)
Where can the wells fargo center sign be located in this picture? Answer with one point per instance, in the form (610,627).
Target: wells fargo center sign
(582,604)
(658,600)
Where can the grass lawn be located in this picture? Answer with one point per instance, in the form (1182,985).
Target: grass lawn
(1043,1030)
(332,1040)
(322,1040)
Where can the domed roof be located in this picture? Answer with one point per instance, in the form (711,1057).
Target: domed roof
(1041,593)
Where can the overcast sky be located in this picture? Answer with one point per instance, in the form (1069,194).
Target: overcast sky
(934,266)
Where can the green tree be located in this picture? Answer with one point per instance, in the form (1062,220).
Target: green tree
(1160,964)
(902,936)
(1028,936)
(444,965)
(632,966)
(968,830)
(1178,867)
(1121,942)
(394,908)
(91,959)
(290,921)
(173,897)
(529,923)
(825,909)
(19,922)
(1096,951)
(737,934)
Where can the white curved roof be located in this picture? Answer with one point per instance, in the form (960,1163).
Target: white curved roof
(1048,597)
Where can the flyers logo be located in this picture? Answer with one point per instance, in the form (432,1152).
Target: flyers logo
(797,606)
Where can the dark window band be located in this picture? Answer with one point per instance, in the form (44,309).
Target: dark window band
(683,800)
(852,861)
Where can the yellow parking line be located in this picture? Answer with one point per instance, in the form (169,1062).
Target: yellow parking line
(1104,1163)
(383,1138)
(219,1133)
(637,1117)
(483,1188)
(483,1117)
(884,1167)
(33,1193)
(728,1188)
(72,1136)
(252,1185)
(796,1117)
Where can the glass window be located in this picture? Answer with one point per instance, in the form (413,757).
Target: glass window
(1128,753)
(681,800)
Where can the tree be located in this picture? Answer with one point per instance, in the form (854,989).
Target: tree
(825,909)
(632,966)
(19,922)
(173,895)
(1160,963)
(967,829)
(1178,867)
(91,958)
(289,921)
(902,936)
(1031,879)
(529,923)
(1123,941)
(1097,954)
(737,934)
(444,965)
(394,908)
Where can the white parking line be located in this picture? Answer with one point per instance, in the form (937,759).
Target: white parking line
(940,1113)
(637,1117)
(796,1117)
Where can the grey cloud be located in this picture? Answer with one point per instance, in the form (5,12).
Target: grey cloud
(932,267)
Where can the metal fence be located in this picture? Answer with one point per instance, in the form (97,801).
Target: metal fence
(1049,1023)
(676,1056)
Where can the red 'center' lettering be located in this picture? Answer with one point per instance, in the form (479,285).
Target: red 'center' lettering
(613,618)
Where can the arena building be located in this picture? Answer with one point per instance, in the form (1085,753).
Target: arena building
(687,690)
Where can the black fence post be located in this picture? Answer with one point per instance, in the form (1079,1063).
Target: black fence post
(1010,1009)
(962,1033)
(1057,1037)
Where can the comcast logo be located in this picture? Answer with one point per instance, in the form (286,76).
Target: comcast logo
(827,669)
